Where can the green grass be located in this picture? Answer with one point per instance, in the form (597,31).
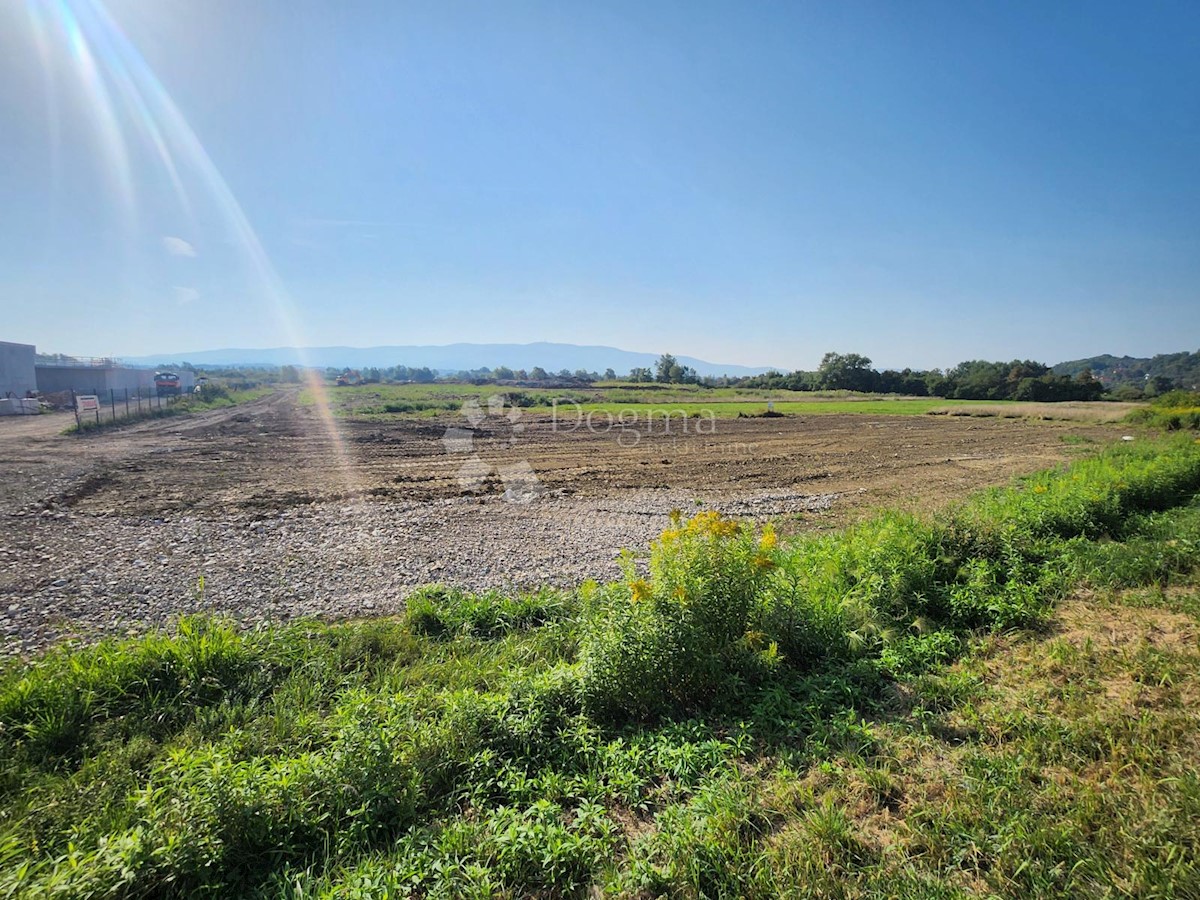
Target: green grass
(900,709)
(385,401)
(727,409)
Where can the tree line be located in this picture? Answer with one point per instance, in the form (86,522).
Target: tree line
(971,380)
(977,379)
(1018,379)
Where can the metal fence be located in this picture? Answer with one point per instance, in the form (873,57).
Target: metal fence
(76,362)
(118,404)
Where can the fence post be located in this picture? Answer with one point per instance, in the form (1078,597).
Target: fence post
(127,403)
(112,400)
(75,406)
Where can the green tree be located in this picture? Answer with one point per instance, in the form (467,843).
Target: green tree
(846,372)
(665,368)
(1159,384)
(668,370)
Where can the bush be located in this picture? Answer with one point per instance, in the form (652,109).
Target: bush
(1177,400)
(210,392)
(676,639)
(1172,411)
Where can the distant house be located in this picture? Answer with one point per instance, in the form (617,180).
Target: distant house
(18,376)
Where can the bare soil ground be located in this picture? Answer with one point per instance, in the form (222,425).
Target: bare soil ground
(282,513)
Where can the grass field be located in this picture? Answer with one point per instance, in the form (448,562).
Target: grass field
(1001,702)
(382,401)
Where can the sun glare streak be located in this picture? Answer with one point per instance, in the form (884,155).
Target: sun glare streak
(99,48)
(145,121)
(104,114)
(41,41)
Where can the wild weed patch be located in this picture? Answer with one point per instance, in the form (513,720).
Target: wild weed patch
(1173,411)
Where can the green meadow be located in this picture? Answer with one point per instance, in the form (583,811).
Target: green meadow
(383,401)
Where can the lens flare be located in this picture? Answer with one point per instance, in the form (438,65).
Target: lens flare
(50,13)
(111,69)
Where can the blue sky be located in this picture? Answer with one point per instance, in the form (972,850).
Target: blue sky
(750,183)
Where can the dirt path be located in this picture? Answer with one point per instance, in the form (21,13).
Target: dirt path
(282,516)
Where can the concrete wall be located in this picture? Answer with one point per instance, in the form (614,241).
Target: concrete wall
(17,374)
(102,379)
(80,379)
(95,379)
(17,406)
(135,381)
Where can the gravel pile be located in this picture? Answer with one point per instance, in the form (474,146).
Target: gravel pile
(66,574)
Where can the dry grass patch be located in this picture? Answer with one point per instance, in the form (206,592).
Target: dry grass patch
(1096,413)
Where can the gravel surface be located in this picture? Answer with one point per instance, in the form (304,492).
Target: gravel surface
(332,560)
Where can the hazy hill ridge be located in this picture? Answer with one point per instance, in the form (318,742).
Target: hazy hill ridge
(451,357)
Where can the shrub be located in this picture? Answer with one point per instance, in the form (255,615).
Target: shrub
(675,639)
(1172,411)
(209,392)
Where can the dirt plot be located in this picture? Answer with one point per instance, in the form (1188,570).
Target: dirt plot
(283,513)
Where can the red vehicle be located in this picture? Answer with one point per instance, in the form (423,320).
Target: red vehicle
(166,384)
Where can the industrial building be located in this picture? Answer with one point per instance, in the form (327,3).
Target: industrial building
(92,377)
(17,371)
(22,373)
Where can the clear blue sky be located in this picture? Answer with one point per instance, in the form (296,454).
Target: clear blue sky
(750,183)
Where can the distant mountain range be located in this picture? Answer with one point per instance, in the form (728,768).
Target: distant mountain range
(448,358)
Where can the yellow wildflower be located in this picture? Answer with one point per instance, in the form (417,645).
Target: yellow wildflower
(762,561)
(639,590)
(725,528)
(710,522)
(1039,489)
(769,539)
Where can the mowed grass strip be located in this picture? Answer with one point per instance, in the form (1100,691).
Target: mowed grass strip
(999,703)
(376,402)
